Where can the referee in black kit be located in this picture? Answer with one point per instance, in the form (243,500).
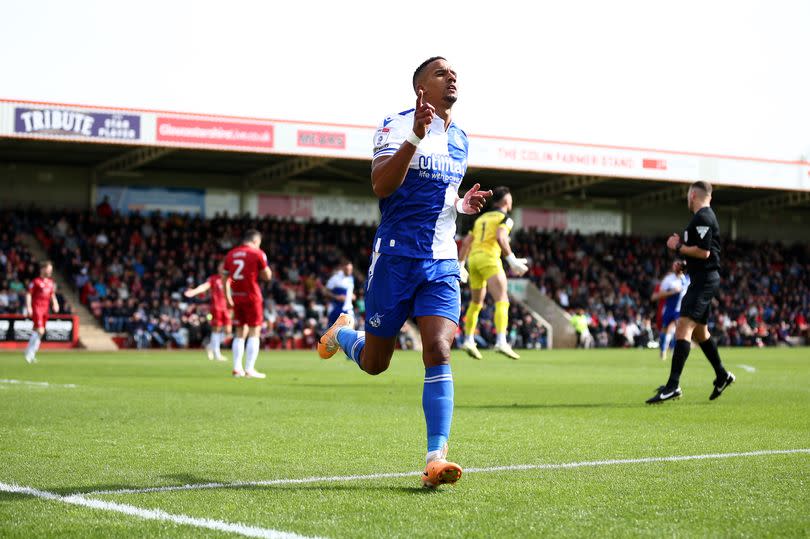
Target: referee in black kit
(701,249)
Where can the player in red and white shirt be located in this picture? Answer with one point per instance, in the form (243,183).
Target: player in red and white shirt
(245,265)
(40,296)
(220,314)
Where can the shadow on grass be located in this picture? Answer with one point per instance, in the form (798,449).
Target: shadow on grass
(549,405)
(353,486)
(173,479)
(187,479)
(572,406)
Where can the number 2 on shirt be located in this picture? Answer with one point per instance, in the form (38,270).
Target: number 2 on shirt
(240,265)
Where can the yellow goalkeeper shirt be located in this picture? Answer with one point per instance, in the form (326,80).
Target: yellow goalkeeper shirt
(485,233)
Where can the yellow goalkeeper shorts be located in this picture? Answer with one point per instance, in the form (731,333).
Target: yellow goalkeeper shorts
(482,266)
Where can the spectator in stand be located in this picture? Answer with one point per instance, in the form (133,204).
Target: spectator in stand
(104,210)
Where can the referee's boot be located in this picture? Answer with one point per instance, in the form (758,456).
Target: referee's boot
(721,385)
(664,393)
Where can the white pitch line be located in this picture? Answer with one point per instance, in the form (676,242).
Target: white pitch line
(517,467)
(38,384)
(152,514)
(747,368)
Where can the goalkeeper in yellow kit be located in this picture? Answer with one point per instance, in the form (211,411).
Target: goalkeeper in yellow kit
(482,248)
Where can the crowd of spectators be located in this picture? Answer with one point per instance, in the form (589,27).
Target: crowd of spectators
(131,271)
(17,266)
(524,330)
(764,297)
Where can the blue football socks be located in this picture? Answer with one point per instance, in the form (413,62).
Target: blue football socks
(437,402)
(352,342)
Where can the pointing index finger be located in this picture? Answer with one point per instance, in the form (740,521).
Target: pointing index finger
(418,99)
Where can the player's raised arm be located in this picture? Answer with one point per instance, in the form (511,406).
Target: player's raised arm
(473,201)
(388,172)
(190,293)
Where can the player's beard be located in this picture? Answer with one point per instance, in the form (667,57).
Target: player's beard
(450,99)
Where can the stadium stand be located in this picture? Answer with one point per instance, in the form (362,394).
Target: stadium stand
(17,265)
(131,271)
(766,297)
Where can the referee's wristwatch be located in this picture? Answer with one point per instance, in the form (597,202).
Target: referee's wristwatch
(678,248)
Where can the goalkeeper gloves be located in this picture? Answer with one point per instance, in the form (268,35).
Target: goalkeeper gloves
(518,265)
(463,273)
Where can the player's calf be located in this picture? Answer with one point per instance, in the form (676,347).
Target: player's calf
(377,354)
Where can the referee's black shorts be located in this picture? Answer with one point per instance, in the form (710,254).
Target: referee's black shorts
(698,298)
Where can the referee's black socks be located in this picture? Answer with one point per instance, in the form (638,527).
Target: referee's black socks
(678,361)
(709,348)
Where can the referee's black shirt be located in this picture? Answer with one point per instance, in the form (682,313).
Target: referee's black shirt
(703,231)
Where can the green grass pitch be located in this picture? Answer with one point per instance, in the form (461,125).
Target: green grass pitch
(148,419)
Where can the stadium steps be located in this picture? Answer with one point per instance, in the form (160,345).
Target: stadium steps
(547,308)
(91,334)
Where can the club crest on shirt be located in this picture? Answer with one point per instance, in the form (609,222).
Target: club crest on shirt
(375,320)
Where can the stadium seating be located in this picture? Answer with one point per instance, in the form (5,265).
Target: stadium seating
(17,264)
(764,299)
(131,271)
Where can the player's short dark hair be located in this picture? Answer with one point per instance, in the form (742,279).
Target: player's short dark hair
(422,67)
(706,187)
(498,194)
(45,263)
(250,235)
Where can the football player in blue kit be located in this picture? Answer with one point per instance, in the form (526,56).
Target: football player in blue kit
(420,157)
(673,289)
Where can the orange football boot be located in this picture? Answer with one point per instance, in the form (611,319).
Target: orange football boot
(328,345)
(440,472)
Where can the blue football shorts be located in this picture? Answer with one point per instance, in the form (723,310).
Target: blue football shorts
(398,287)
(669,317)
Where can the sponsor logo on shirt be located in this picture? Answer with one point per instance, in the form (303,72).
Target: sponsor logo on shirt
(440,167)
(381,136)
